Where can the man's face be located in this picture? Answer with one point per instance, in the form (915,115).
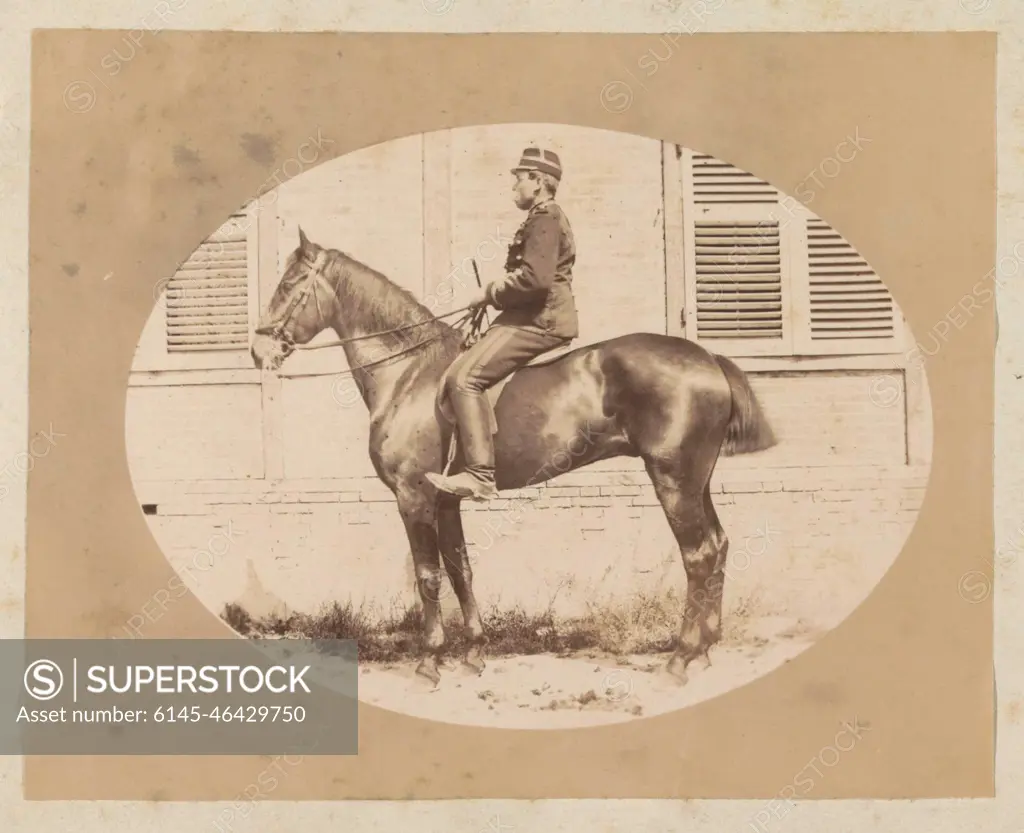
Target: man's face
(524,189)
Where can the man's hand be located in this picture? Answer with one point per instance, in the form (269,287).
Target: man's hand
(477,298)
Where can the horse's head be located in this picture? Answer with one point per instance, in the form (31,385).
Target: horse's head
(302,305)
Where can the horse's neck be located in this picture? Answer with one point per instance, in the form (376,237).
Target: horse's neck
(369,304)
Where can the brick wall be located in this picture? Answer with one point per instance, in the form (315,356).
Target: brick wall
(588,538)
(829,417)
(215,431)
(194,432)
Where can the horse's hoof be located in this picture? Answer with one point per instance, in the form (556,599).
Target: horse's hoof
(427,671)
(474,666)
(676,670)
(474,662)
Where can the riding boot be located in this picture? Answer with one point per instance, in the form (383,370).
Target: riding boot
(472,411)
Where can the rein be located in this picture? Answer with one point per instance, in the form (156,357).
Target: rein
(473,315)
(433,318)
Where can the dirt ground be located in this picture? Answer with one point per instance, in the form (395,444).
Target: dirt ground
(545,691)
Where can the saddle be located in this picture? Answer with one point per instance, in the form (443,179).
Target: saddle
(547,357)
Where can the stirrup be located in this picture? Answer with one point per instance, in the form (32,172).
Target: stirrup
(463,485)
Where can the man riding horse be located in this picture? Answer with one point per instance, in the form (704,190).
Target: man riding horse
(660,398)
(538,315)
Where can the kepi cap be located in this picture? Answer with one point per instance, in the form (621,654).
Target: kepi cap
(539,159)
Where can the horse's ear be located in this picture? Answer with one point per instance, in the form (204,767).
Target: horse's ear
(303,240)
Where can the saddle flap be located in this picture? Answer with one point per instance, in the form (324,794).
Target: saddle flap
(549,356)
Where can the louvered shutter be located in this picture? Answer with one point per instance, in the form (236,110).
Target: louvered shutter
(206,309)
(735,260)
(738,272)
(207,298)
(845,306)
(715,182)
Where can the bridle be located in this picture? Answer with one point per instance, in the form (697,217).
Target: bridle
(314,278)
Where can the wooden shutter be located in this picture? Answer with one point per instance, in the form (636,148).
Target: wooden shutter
(738,274)
(845,306)
(206,309)
(715,181)
(736,253)
(207,298)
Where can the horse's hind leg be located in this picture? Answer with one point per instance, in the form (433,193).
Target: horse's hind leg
(684,502)
(716,582)
(452,542)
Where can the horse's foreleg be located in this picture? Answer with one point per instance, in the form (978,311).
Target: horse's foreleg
(452,543)
(419,526)
(685,510)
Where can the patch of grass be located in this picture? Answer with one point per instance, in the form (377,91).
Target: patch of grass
(381,638)
(238,619)
(738,618)
(647,623)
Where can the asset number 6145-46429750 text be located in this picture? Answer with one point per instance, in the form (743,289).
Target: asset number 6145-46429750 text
(238,714)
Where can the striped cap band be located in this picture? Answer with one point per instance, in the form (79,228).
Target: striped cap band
(536,159)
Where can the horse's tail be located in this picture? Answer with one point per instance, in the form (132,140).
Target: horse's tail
(748,430)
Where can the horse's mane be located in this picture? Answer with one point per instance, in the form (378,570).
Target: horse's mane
(379,304)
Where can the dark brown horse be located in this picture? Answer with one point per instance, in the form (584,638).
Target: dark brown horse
(657,397)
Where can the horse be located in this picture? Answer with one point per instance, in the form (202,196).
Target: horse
(661,398)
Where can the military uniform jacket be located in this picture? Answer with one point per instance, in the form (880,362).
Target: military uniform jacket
(536,293)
